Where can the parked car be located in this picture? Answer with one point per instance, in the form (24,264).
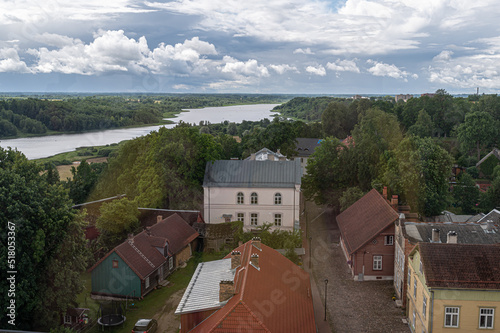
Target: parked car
(145,326)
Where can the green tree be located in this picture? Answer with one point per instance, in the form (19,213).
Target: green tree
(338,120)
(47,241)
(350,196)
(478,130)
(85,178)
(418,170)
(117,219)
(466,194)
(423,125)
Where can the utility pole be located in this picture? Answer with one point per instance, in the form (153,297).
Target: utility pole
(326,285)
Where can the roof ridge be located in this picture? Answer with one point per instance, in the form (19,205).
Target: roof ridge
(141,254)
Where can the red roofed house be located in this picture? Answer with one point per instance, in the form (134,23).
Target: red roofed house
(138,265)
(254,289)
(367,237)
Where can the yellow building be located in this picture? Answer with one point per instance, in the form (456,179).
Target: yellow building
(454,288)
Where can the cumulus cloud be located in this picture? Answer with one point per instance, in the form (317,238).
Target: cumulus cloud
(443,56)
(382,69)
(343,66)
(316,70)
(11,62)
(248,68)
(283,68)
(480,69)
(303,51)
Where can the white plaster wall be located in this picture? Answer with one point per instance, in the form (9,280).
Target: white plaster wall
(219,201)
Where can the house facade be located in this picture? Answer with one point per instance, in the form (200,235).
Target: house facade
(454,288)
(142,262)
(254,192)
(367,237)
(253,289)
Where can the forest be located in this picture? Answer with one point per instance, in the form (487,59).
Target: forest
(38,115)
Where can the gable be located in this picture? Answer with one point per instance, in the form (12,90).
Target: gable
(364,220)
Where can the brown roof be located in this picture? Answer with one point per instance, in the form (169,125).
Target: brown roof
(148,216)
(365,219)
(274,298)
(469,266)
(142,255)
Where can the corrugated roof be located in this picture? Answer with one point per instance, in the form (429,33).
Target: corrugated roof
(466,233)
(365,219)
(202,293)
(278,279)
(252,174)
(468,266)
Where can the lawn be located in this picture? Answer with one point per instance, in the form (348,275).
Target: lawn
(152,302)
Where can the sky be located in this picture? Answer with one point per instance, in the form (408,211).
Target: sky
(258,46)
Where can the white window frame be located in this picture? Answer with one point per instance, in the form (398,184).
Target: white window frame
(240,198)
(278,220)
(421,267)
(240,217)
(170,263)
(254,219)
(146,283)
(278,199)
(377,263)
(66,321)
(449,315)
(415,288)
(409,278)
(414,321)
(254,198)
(486,316)
(389,240)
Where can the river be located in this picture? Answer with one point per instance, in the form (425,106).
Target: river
(45,146)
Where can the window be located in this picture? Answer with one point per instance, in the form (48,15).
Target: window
(424,306)
(115,263)
(377,263)
(389,240)
(486,318)
(421,268)
(254,199)
(414,319)
(451,317)
(277,219)
(147,282)
(409,278)
(277,199)
(254,219)
(240,198)
(240,217)
(67,319)
(170,263)
(415,288)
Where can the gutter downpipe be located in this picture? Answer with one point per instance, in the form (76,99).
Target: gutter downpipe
(432,311)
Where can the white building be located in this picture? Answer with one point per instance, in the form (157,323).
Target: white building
(253,191)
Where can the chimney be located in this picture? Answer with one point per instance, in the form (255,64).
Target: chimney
(435,236)
(256,242)
(131,238)
(148,230)
(489,226)
(254,260)
(252,157)
(282,158)
(226,290)
(384,192)
(235,259)
(452,237)
(159,218)
(394,202)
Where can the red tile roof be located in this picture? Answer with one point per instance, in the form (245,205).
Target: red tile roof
(468,266)
(365,219)
(274,298)
(142,255)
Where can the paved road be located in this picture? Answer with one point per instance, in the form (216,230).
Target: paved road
(352,306)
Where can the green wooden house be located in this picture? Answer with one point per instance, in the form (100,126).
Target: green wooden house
(139,264)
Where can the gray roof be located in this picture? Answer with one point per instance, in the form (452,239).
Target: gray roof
(305,146)
(470,233)
(494,216)
(264,153)
(255,174)
(202,292)
(450,217)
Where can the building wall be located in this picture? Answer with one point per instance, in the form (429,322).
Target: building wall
(190,320)
(183,255)
(220,200)
(363,258)
(418,320)
(115,281)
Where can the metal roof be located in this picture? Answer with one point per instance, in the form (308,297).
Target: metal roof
(470,233)
(253,174)
(202,292)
